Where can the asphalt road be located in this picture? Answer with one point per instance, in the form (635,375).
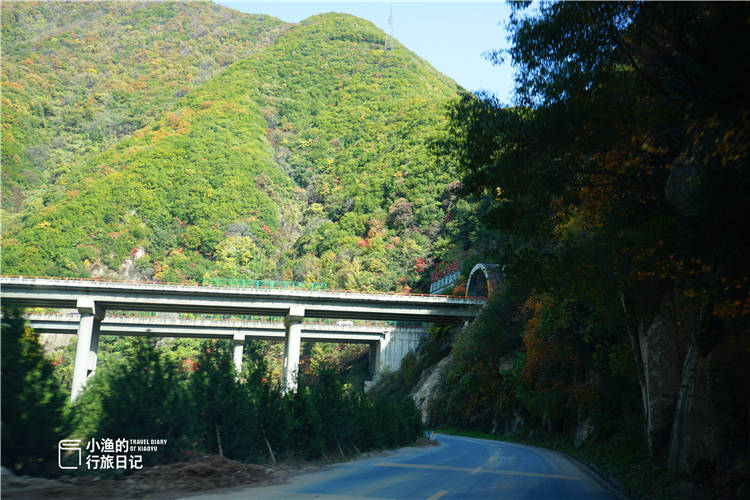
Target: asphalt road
(460,468)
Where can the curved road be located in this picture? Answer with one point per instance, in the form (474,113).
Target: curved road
(460,468)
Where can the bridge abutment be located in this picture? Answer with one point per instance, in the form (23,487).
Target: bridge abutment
(374,358)
(88,343)
(387,353)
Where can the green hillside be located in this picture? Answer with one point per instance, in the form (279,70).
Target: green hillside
(353,124)
(307,160)
(77,77)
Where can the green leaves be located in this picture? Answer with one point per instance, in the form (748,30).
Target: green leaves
(33,418)
(616,186)
(322,107)
(143,394)
(139,395)
(71,92)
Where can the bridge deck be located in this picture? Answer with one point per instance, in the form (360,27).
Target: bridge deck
(50,292)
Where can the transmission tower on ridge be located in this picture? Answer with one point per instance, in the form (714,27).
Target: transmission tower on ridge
(389,34)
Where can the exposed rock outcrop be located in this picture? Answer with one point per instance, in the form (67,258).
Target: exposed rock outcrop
(584,430)
(128,270)
(662,348)
(54,341)
(428,384)
(689,371)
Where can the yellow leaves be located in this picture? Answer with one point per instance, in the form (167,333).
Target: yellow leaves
(179,120)
(43,224)
(159,135)
(237,249)
(499,195)
(730,309)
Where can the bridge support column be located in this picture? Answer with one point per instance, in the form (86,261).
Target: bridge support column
(94,349)
(292,340)
(374,357)
(377,349)
(239,345)
(88,343)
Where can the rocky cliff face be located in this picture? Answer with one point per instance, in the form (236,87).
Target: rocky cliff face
(428,385)
(688,375)
(662,347)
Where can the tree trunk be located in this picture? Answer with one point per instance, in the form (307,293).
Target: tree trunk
(268,445)
(218,441)
(338,445)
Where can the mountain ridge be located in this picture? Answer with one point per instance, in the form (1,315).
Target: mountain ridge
(77,77)
(338,183)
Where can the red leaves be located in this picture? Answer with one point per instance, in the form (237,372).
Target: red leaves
(189,365)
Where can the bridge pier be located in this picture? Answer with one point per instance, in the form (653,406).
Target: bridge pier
(377,351)
(374,357)
(292,339)
(239,345)
(88,343)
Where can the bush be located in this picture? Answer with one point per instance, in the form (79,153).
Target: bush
(221,409)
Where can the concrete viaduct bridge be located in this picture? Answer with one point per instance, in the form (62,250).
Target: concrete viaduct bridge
(93,298)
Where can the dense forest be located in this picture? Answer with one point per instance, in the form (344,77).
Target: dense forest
(79,77)
(613,193)
(308,160)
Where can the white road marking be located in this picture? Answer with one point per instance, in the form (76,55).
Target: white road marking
(494,458)
(439,494)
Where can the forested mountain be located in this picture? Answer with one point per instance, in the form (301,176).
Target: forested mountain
(213,143)
(79,76)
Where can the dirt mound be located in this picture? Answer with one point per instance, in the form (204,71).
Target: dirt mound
(161,481)
(207,473)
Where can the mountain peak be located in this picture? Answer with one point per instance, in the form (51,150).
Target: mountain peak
(307,160)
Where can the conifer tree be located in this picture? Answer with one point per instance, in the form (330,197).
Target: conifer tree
(32,404)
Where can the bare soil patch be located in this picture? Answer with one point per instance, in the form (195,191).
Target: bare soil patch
(206,473)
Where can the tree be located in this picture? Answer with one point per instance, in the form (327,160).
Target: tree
(141,396)
(225,420)
(33,419)
(620,179)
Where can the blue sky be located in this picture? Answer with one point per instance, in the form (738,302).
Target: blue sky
(451,36)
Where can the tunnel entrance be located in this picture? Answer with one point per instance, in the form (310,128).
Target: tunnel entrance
(483,280)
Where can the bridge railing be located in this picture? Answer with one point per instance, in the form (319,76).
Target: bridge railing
(152,315)
(245,283)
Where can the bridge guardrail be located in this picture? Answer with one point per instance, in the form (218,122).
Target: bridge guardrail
(309,321)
